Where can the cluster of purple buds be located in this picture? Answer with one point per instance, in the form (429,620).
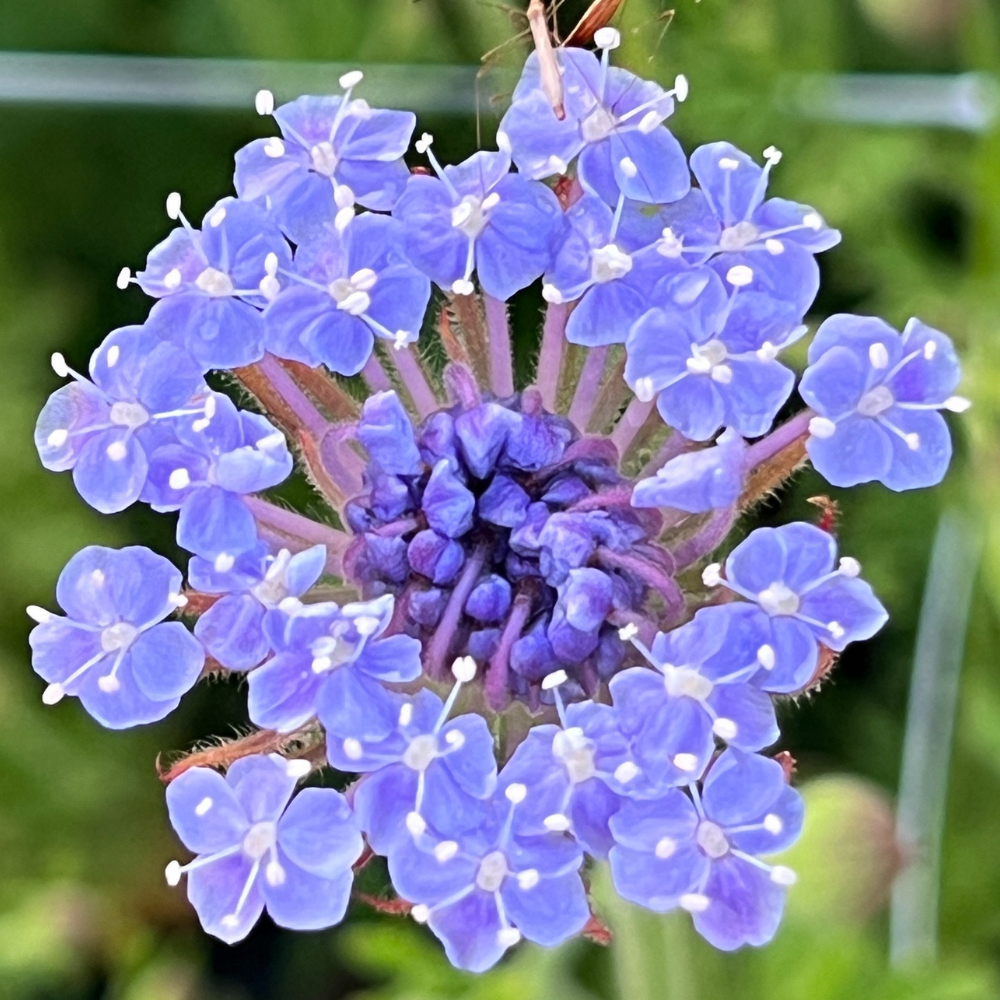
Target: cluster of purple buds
(531,665)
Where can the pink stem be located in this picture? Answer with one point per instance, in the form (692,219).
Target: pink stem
(652,576)
(374,374)
(414,380)
(779,438)
(630,424)
(300,404)
(585,397)
(497,691)
(501,361)
(440,644)
(708,538)
(292,527)
(550,356)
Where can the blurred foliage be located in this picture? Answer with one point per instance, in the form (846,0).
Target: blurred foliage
(83,833)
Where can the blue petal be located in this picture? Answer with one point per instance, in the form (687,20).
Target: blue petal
(473,765)
(262,784)
(214,522)
(319,833)
(353,705)
(303,901)
(549,913)
(215,891)
(230,630)
(166,661)
(469,931)
(381,803)
(925,465)
(204,812)
(741,787)
(745,906)
(657,883)
(858,451)
(283,692)
(110,470)
(447,503)
(395,659)
(387,434)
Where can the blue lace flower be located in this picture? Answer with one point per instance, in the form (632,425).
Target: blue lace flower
(708,356)
(478,216)
(876,394)
(214,281)
(112,650)
(328,660)
(426,765)
(703,853)
(232,629)
(207,470)
(805,598)
(349,286)
(105,430)
(613,120)
(481,886)
(332,151)
(257,849)
(696,481)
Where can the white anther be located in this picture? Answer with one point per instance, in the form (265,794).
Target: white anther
(930,349)
(557,823)
(503,142)
(552,294)
(199,425)
(274,440)
(421,913)
(57,438)
(711,575)
(625,772)
(627,166)
(508,936)
(366,624)
(217,217)
(203,807)
(180,479)
(97,577)
(223,562)
(109,684)
(516,792)
(812,220)
(490,201)
(173,205)
(774,247)
(835,629)
(694,902)
(849,566)
(406,714)
(123,279)
(415,823)
(463,287)
(665,846)
(424,143)
(343,219)
(686,762)
(464,669)
(557,165)
(912,441)
(822,428)
(274,147)
(772,154)
(269,287)
(116,451)
(40,615)
(455,738)
(446,850)
(878,355)
(114,353)
(649,121)
(956,404)
(321,663)
(681,88)
(263,102)
(607,38)
(353,749)
(645,390)
(231,920)
(767,351)
(766,657)
(725,729)
(173,873)
(528,879)
(59,365)
(351,79)
(553,680)
(274,873)
(722,374)
(773,824)
(628,632)
(53,693)
(728,163)
(739,276)
(781,875)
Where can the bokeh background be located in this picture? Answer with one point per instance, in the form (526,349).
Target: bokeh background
(84,912)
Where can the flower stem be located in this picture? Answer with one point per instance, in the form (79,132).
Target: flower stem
(650,574)
(585,397)
(281,398)
(374,374)
(439,646)
(707,538)
(550,356)
(779,438)
(323,388)
(501,362)
(414,380)
(497,690)
(300,532)
(630,424)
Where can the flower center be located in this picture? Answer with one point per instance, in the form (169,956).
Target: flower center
(421,752)
(778,600)
(213,282)
(876,401)
(119,636)
(129,415)
(739,236)
(469,216)
(324,158)
(351,294)
(576,753)
(704,357)
(608,263)
(598,125)
(492,872)
(273,589)
(332,651)
(682,682)
(711,839)
(259,840)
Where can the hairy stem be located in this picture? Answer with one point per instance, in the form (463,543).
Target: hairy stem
(374,375)
(497,690)
(324,389)
(587,386)
(779,438)
(501,361)
(550,356)
(439,646)
(630,424)
(301,532)
(708,538)
(413,379)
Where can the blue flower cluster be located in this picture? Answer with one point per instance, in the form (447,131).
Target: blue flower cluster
(507,554)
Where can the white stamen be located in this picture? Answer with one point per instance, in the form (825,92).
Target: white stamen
(912,441)
(366,624)
(274,148)
(263,103)
(956,404)
(773,155)
(269,287)
(173,873)
(773,824)
(53,693)
(849,566)
(781,875)
(351,79)
(109,684)
(694,902)
(202,807)
(223,562)
(174,205)
(725,729)
(878,355)
(490,201)
(930,349)
(812,220)
(739,276)
(681,88)
(116,451)
(503,142)
(464,669)
(711,575)
(728,163)
(424,143)
(114,353)
(607,38)
(627,166)
(406,714)
(421,913)
(343,196)
(343,218)
(415,823)
(649,121)
(557,823)
(528,879)
(722,374)
(628,632)
(516,792)
(687,762)
(625,772)
(835,629)
(274,873)
(59,365)
(774,247)
(455,738)
(552,294)
(321,663)
(57,438)
(767,351)
(40,615)
(463,287)
(446,850)
(179,479)
(217,217)
(508,936)
(665,846)
(766,657)
(644,389)
(822,428)
(557,165)
(353,749)
(123,279)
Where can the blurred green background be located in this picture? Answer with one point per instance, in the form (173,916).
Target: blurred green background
(84,912)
